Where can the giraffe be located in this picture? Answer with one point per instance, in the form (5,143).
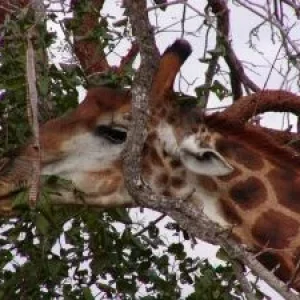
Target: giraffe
(242,178)
(260,196)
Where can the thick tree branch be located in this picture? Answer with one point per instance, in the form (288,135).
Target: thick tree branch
(264,101)
(209,75)
(140,95)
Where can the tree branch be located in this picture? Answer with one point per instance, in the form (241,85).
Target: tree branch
(89,49)
(237,73)
(264,101)
(140,95)
(32,108)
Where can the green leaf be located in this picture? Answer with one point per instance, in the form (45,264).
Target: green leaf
(153,231)
(21,200)
(178,250)
(121,215)
(222,255)
(43,84)
(87,294)
(42,224)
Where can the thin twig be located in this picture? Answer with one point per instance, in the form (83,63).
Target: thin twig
(157,220)
(32,108)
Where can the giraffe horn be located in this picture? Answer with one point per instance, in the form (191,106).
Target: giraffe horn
(169,65)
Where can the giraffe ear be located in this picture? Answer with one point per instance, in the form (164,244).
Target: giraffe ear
(202,161)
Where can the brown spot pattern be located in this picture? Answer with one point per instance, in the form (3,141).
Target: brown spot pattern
(167,193)
(155,158)
(175,163)
(109,180)
(111,185)
(208,183)
(160,112)
(162,179)
(171,118)
(230,212)
(152,136)
(273,261)
(236,172)
(146,168)
(274,229)
(177,182)
(236,151)
(287,188)
(249,193)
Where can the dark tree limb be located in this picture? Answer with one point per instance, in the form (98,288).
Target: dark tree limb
(237,73)
(88,46)
(293,5)
(264,101)
(247,107)
(88,49)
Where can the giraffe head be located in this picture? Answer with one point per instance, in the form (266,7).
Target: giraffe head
(85,145)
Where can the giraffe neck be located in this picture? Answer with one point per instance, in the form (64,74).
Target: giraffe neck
(261,197)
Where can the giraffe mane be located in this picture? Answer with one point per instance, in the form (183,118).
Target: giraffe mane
(256,138)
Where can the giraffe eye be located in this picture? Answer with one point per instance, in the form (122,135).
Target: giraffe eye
(115,135)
